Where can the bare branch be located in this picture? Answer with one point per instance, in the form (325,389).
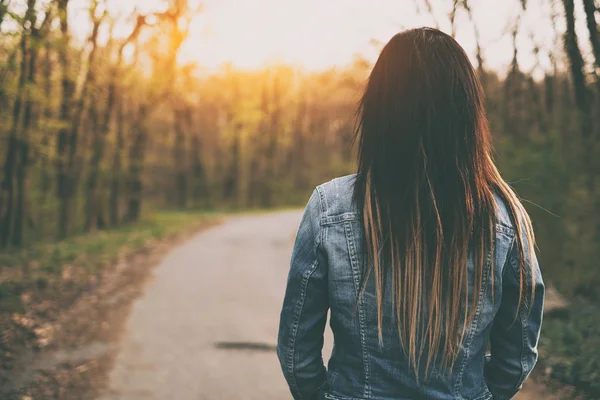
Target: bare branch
(478,52)
(515,33)
(140,22)
(590,12)
(45,26)
(453,18)
(3,9)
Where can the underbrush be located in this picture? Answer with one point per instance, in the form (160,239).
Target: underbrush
(570,345)
(45,277)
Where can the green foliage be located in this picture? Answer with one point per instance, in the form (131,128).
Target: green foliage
(542,159)
(49,266)
(570,348)
(9,296)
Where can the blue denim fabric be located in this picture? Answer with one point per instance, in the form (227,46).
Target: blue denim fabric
(325,276)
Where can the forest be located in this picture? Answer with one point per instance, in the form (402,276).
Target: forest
(95,134)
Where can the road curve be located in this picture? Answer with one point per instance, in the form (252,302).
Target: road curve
(206,325)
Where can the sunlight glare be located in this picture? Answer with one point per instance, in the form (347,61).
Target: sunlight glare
(317,34)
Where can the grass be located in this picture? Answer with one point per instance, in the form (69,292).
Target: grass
(43,270)
(257,210)
(570,348)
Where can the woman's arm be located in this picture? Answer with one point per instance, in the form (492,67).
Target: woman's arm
(514,338)
(305,307)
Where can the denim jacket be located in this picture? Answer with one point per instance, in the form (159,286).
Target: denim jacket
(325,276)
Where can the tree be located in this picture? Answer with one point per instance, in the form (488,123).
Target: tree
(36,34)
(590,12)
(3,9)
(14,185)
(581,91)
(175,21)
(62,142)
(94,214)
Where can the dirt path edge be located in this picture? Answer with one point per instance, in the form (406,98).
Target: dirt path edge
(76,358)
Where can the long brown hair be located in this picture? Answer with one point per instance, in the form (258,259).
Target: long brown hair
(425,186)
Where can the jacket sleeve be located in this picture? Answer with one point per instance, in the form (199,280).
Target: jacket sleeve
(305,306)
(513,337)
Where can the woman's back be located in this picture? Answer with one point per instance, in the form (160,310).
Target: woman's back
(361,368)
(423,256)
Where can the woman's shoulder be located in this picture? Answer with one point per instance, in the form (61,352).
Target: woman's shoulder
(504,221)
(337,197)
(341,184)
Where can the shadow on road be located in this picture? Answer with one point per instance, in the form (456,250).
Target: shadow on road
(245,346)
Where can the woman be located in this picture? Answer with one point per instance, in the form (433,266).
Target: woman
(423,257)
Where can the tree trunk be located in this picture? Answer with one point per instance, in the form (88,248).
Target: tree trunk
(112,102)
(200,187)
(68,88)
(179,159)
(22,186)
(258,186)
(78,114)
(536,101)
(46,179)
(22,179)
(8,189)
(100,142)
(590,13)
(136,166)
(297,156)
(512,92)
(273,141)
(12,152)
(231,184)
(93,212)
(582,97)
(115,184)
(67,173)
(549,94)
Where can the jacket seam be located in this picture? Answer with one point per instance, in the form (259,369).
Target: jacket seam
(291,356)
(504,228)
(474,325)
(322,202)
(296,322)
(524,343)
(523,346)
(339,218)
(522,321)
(508,259)
(512,266)
(512,261)
(500,227)
(361,317)
(329,396)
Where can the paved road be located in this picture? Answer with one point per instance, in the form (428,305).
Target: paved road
(209,300)
(206,325)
